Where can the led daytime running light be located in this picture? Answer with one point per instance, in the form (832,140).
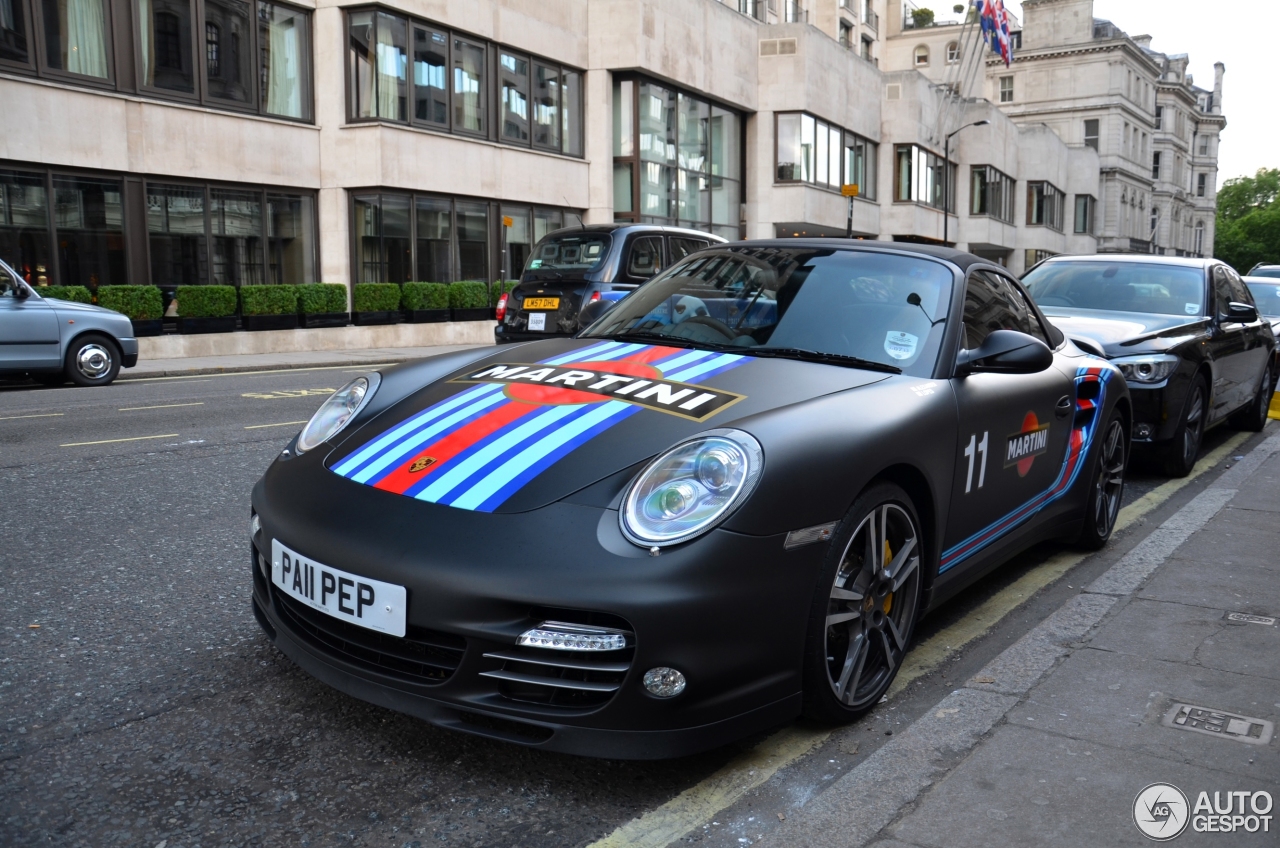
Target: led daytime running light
(570,637)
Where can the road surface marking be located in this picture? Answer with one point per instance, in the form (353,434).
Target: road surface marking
(112,441)
(285,394)
(161,406)
(370,367)
(700,803)
(281,424)
(42,415)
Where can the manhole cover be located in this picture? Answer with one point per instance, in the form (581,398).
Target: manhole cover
(1255,731)
(1250,619)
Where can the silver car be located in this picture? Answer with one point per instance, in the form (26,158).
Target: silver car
(56,340)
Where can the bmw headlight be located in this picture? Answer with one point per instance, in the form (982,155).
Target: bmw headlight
(691,488)
(336,412)
(1154,368)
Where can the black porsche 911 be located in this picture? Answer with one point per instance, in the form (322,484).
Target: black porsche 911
(725,503)
(1185,332)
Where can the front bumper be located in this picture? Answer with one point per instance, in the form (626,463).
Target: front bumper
(727,610)
(128,352)
(504,335)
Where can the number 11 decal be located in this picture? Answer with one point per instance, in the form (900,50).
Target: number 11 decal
(982,469)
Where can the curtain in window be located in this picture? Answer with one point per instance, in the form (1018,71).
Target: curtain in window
(284,37)
(390,68)
(147,41)
(85,42)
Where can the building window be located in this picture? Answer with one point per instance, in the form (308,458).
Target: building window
(1091,133)
(1035,256)
(922,56)
(919,176)
(212,41)
(1159,117)
(953,52)
(76,36)
(447,84)
(846,34)
(991,193)
(1084,214)
(1044,205)
(24,226)
(13,32)
(677,158)
(1204,145)
(1199,238)
(1202,181)
(1006,89)
(814,151)
(1155,165)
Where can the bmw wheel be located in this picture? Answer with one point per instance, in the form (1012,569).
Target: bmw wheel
(92,360)
(1179,456)
(1254,416)
(865,608)
(1108,486)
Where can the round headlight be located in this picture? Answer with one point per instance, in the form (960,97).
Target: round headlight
(691,488)
(336,412)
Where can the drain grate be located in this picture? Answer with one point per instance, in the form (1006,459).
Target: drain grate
(1225,725)
(1250,619)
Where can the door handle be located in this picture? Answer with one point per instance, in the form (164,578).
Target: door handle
(1064,406)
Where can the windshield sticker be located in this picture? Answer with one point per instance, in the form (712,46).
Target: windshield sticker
(593,382)
(900,345)
(1192,308)
(536,263)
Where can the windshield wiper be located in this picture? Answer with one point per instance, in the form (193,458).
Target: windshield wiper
(819,356)
(661,338)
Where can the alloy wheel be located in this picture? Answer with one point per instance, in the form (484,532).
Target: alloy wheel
(93,361)
(1110,482)
(1194,425)
(872,605)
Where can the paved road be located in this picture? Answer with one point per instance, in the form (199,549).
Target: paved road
(146,707)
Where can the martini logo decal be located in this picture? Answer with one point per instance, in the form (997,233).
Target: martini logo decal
(593,382)
(1022,448)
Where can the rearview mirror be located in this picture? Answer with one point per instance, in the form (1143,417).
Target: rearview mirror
(1242,312)
(1006,352)
(593,312)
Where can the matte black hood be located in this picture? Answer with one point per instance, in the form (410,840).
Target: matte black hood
(1124,333)
(526,426)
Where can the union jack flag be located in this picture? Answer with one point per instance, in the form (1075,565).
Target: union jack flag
(994,19)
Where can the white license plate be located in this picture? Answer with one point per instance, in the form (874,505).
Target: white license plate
(361,601)
(538,321)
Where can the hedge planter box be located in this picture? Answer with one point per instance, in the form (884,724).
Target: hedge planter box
(365,319)
(270,322)
(325,319)
(428,316)
(482,313)
(207,325)
(148,327)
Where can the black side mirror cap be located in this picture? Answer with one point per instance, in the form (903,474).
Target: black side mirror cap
(1242,312)
(593,312)
(1006,352)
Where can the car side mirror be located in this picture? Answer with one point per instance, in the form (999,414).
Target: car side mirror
(593,312)
(1242,312)
(20,291)
(1006,352)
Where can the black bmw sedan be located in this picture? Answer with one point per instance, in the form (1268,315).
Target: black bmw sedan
(1186,333)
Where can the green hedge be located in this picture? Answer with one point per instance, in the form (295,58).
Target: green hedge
(268,300)
(498,289)
(376,297)
(319,298)
(77,294)
(471,294)
(206,301)
(416,296)
(141,303)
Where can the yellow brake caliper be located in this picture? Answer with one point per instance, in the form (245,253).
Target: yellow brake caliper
(888,558)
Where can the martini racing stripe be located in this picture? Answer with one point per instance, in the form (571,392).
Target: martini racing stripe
(402,438)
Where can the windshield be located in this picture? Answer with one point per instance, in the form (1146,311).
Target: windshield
(570,252)
(1118,286)
(1267,296)
(881,308)
(1268,271)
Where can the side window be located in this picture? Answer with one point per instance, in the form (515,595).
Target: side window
(682,246)
(990,304)
(7,284)
(1222,294)
(645,258)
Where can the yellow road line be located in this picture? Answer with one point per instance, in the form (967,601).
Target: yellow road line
(281,424)
(698,804)
(111,441)
(161,406)
(370,367)
(42,415)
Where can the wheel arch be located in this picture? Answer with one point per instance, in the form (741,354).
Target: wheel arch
(914,482)
(91,331)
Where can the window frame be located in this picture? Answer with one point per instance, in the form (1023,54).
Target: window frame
(1003,89)
(952,53)
(921,51)
(921,154)
(38,48)
(1054,201)
(1090,215)
(1096,138)
(848,138)
(1008,197)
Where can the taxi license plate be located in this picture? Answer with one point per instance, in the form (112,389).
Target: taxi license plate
(542,303)
(357,600)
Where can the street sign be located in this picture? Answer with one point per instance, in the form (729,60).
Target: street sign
(507,221)
(849,189)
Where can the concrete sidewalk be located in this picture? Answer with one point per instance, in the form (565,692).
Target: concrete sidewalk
(1052,742)
(193,365)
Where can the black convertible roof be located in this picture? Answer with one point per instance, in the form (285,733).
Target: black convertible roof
(950,254)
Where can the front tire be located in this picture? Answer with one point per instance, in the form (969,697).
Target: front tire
(865,606)
(1254,417)
(92,360)
(1179,456)
(1107,487)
